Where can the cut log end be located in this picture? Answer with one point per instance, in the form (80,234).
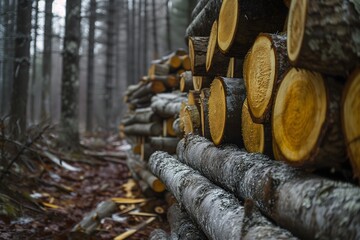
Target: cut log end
(295,28)
(253,133)
(260,74)
(158,186)
(351,119)
(228,21)
(217,111)
(211,46)
(299,114)
(191,54)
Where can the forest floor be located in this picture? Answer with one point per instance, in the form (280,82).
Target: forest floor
(51,197)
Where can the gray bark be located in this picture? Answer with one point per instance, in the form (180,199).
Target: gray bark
(21,66)
(143,129)
(307,205)
(90,66)
(34,74)
(70,76)
(217,212)
(167,105)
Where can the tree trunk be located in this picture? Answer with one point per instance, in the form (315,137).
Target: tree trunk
(70,76)
(182,227)
(311,34)
(350,119)
(197,53)
(204,98)
(201,25)
(47,60)
(166,144)
(216,62)
(141,116)
(186,81)
(167,105)
(155,41)
(139,40)
(129,46)
(90,67)
(306,120)
(240,22)
(143,129)
(266,64)
(197,9)
(257,137)
(159,234)
(109,66)
(307,205)
(22,66)
(34,76)
(225,102)
(205,202)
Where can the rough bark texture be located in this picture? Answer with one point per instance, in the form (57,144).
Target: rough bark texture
(90,67)
(235,94)
(307,205)
(207,204)
(254,17)
(197,9)
(204,98)
(182,227)
(197,55)
(70,75)
(186,82)
(177,129)
(166,144)
(331,42)
(159,234)
(141,116)
(143,129)
(167,104)
(201,25)
(21,68)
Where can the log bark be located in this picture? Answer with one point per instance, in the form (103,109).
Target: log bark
(177,129)
(186,64)
(146,151)
(216,62)
(170,81)
(92,220)
(201,25)
(148,88)
(167,104)
(241,21)
(141,116)
(197,9)
(192,120)
(256,137)
(186,81)
(351,118)
(194,98)
(235,68)
(204,112)
(159,234)
(143,129)
(159,69)
(143,175)
(166,144)
(311,35)
(182,227)
(266,65)
(306,120)
(225,103)
(205,202)
(307,205)
(197,53)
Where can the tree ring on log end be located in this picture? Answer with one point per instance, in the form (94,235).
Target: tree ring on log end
(191,54)
(296,28)
(351,119)
(158,186)
(228,21)
(260,76)
(217,110)
(253,133)
(299,114)
(211,46)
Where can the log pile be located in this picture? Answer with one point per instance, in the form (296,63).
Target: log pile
(282,80)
